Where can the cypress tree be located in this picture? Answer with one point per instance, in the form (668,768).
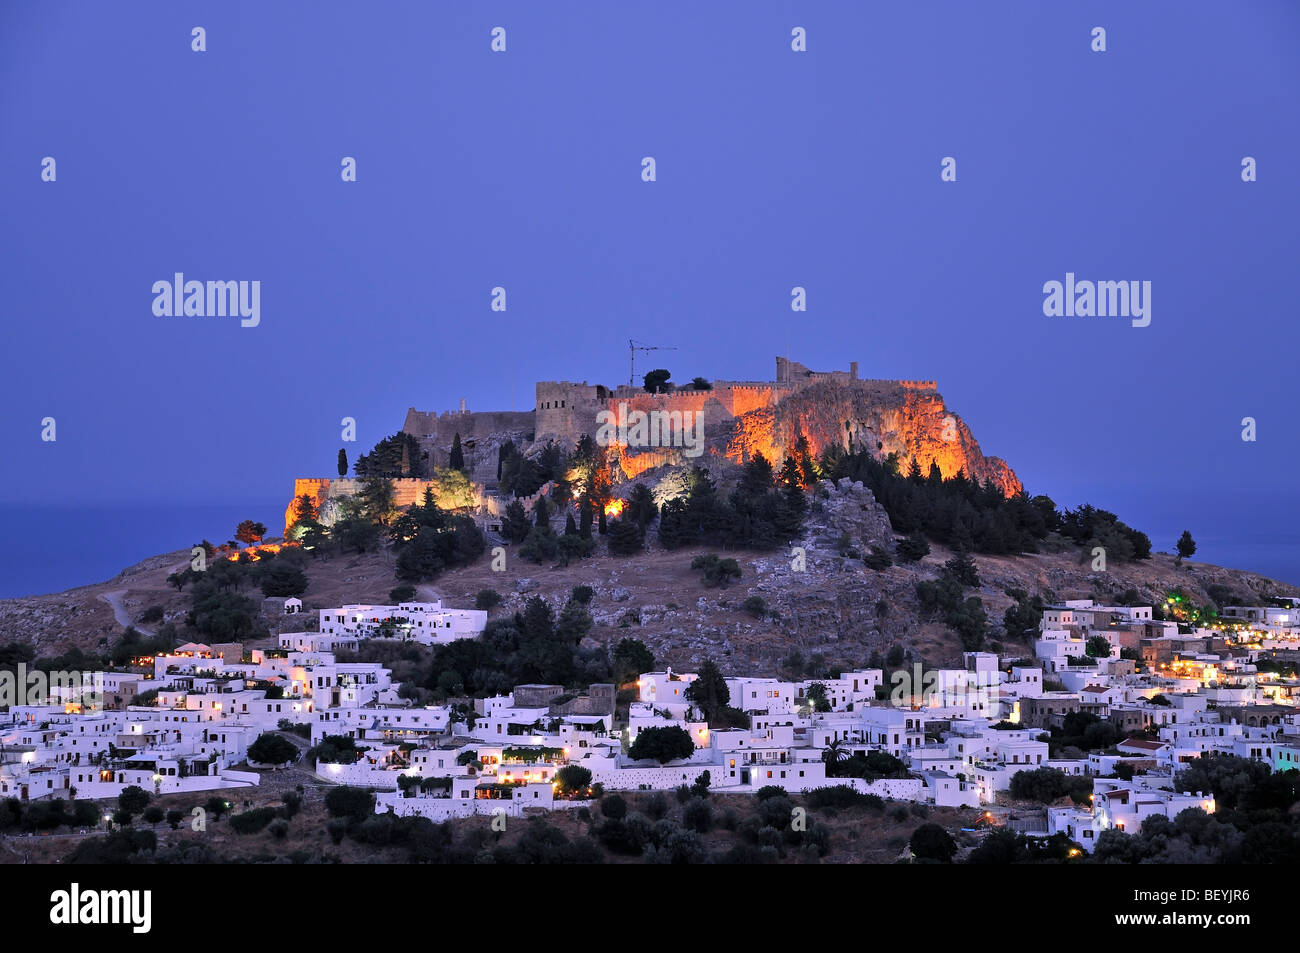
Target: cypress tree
(514,525)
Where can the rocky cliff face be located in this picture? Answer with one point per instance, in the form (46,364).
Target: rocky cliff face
(882,417)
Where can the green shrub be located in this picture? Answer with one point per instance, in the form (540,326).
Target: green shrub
(348,802)
(250,822)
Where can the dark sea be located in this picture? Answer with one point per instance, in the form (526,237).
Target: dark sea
(52,548)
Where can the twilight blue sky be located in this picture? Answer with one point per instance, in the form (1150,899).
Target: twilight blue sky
(775,169)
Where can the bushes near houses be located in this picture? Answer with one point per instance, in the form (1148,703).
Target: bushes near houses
(335,749)
(1046,785)
(841,796)
(270,748)
(663,744)
(931,842)
(350,803)
(572,779)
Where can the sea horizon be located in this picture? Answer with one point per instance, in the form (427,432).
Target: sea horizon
(63,547)
(112,537)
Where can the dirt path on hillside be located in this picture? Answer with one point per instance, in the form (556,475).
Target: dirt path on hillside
(114,599)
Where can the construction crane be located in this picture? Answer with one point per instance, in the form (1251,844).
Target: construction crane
(632,348)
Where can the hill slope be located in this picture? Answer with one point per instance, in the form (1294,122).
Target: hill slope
(835,607)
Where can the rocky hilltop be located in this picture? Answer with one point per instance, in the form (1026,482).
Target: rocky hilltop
(884,417)
(738,418)
(828,603)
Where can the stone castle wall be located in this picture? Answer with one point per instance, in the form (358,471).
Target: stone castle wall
(469,424)
(323,491)
(741,418)
(566,410)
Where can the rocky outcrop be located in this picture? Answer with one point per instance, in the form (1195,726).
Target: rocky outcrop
(880,416)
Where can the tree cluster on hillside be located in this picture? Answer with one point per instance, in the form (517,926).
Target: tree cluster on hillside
(532,646)
(944,599)
(539,542)
(250,531)
(762,512)
(961,512)
(1091,527)
(427,540)
(524,476)
(1022,619)
(630,659)
(395,457)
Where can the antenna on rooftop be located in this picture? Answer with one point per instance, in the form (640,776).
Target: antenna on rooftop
(632,348)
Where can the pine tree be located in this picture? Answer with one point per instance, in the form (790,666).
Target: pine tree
(585,516)
(570,527)
(542,513)
(709,692)
(304,508)
(343,462)
(756,478)
(574,622)
(1186,547)
(641,506)
(625,538)
(537,624)
(793,502)
(376,498)
(673,532)
(962,568)
(457,458)
(790,473)
(514,525)
(913,548)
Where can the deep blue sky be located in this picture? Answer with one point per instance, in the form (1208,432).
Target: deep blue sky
(775,169)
